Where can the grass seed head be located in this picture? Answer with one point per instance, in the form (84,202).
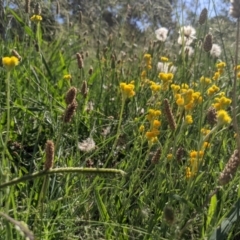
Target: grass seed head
(156,156)
(212,116)
(84,89)
(80,61)
(71,95)
(69,112)
(37,9)
(230,169)
(49,149)
(203,16)
(169,114)
(207,44)
(27,6)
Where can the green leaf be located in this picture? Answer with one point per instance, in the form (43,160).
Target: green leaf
(101,207)
(27,29)
(211,209)
(223,230)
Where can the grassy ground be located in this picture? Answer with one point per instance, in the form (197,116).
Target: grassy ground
(118,141)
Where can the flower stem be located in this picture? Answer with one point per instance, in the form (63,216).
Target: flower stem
(79,170)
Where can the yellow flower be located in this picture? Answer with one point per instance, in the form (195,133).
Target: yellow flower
(206,145)
(156,123)
(188,173)
(205,80)
(223,117)
(164,59)
(205,131)
(127,90)
(193,154)
(155,87)
(67,77)
(36,18)
(189,119)
(152,134)
(141,129)
(10,62)
(180,101)
(169,156)
(216,76)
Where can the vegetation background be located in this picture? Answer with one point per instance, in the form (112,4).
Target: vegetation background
(108,132)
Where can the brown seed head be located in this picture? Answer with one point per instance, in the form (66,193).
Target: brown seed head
(212,116)
(80,61)
(203,16)
(71,95)
(57,8)
(169,114)
(80,17)
(207,44)
(90,71)
(27,6)
(180,154)
(156,156)
(84,89)
(230,169)
(49,150)
(69,112)
(37,9)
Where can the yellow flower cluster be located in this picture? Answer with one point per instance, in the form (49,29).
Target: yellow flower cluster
(205,131)
(36,18)
(164,59)
(220,70)
(10,62)
(127,90)
(221,102)
(212,90)
(223,117)
(153,132)
(205,80)
(185,96)
(166,79)
(67,77)
(148,60)
(189,119)
(155,87)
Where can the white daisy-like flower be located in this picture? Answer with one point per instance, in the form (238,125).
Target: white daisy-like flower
(186,35)
(166,67)
(87,145)
(161,34)
(216,50)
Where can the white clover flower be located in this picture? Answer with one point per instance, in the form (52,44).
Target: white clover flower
(188,50)
(215,51)
(161,34)
(186,35)
(87,145)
